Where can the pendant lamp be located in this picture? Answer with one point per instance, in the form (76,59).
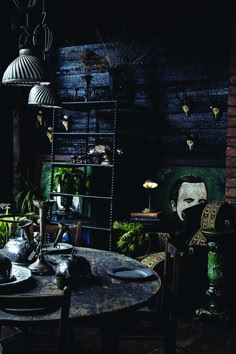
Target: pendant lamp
(43,96)
(26,70)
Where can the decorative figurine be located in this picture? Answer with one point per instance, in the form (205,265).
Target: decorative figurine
(49,133)
(190,141)
(40,122)
(216,111)
(74,159)
(185,102)
(66,121)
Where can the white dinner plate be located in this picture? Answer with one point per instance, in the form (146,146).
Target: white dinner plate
(130,273)
(26,311)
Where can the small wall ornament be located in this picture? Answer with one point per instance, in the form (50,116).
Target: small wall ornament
(185,104)
(66,121)
(191,142)
(215,103)
(216,111)
(49,133)
(40,121)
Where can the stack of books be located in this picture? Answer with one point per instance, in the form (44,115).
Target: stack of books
(143,216)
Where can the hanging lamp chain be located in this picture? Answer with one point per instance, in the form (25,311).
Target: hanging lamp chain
(25,5)
(25,37)
(42,35)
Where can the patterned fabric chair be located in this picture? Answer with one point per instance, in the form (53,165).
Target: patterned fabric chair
(193,271)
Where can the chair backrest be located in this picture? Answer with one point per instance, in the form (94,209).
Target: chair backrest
(171,276)
(45,302)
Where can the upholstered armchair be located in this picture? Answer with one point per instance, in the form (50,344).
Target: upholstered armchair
(191,242)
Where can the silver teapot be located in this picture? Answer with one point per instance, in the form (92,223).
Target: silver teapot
(20,249)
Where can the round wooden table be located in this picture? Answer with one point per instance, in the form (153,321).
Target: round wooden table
(102,295)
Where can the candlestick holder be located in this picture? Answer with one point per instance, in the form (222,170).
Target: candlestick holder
(40,266)
(87,80)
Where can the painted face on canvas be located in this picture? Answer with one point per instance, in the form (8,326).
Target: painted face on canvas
(190,194)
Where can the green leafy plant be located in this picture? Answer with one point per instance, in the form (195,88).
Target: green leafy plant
(7,229)
(133,237)
(71,180)
(24,199)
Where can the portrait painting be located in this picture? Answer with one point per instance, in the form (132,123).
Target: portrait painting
(182,187)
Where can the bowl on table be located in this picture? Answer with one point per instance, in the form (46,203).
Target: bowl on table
(5,269)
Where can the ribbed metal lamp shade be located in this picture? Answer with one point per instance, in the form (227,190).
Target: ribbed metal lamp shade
(26,70)
(43,96)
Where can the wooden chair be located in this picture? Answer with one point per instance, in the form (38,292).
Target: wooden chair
(22,339)
(154,322)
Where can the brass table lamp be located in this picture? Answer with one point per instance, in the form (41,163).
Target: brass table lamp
(149,185)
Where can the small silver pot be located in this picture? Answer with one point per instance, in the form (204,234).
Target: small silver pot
(73,270)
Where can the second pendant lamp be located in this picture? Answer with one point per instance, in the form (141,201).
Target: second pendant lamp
(43,96)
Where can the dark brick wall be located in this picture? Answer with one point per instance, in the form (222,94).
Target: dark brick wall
(230,170)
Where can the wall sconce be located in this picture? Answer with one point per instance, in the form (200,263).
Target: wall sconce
(149,185)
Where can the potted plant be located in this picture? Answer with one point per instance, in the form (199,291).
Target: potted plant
(24,198)
(69,180)
(133,242)
(8,229)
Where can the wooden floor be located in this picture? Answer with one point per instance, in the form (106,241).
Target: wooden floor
(192,337)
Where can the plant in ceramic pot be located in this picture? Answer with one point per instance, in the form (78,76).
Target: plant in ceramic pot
(69,180)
